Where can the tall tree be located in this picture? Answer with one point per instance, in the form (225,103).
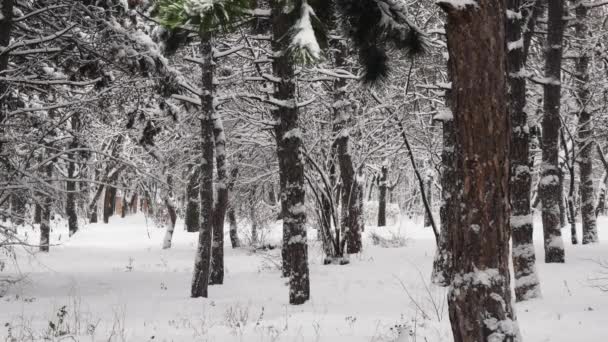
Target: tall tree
(521,17)
(480,295)
(550,190)
(585,124)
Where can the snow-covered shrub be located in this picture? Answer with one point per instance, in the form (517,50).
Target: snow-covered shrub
(370,210)
(393,240)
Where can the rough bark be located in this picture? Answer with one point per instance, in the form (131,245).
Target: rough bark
(234,234)
(291,161)
(479,298)
(382,188)
(202,264)
(550,190)
(70,206)
(352,222)
(193,211)
(585,127)
(429,198)
(109,203)
(221,204)
(524,258)
(450,194)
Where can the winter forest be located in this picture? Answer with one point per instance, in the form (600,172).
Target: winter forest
(304,170)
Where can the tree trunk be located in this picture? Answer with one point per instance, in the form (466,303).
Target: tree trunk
(221,205)
(45,223)
(193,211)
(171,209)
(202,264)
(234,237)
(109,203)
(524,258)
(479,299)
(550,190)
(585,127)
(291,160)
(382,184)
(234,234)
(429,198)
(450,194)
(351,221)
(6,25)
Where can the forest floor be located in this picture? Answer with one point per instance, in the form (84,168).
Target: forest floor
(114,283)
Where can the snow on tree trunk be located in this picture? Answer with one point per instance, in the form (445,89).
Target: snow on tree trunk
(202,264)
(193,211)
(450,192)
(479,298)
(352,216)
(429,198)
(171,209)
(234,237)
(382,187)
(524,258)
(221,204)
(550,190)
(70,206)
(585,127)
(291,161)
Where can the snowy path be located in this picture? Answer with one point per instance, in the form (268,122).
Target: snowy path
(133,290)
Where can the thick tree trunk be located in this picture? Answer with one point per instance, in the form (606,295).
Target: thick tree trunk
(6,25)
(480,295)
(193,211)
(221,205)
(291,161)
(70,205)
(524,258)
(550,190)
(585,127)
(382,187)
(109,202)
(202,264)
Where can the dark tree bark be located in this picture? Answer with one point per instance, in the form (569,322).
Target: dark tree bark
(478,238)
(429,198)
(18,208)
(133,204)
(585,126)
(45,223)
(6,26)
(451,186)
(234,237)
(70,206)
(382,187)
(109,203)
(221,205)
(524,258)
(202,264)
(291,161)
(234,234)
(193,211)
(352,222)
(550,190)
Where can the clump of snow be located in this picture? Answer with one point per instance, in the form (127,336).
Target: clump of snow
(304,38)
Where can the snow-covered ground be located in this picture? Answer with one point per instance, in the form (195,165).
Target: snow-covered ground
(114,282)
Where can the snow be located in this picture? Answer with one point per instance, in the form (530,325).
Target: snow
(116,279)
(305,38)
(459,4)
